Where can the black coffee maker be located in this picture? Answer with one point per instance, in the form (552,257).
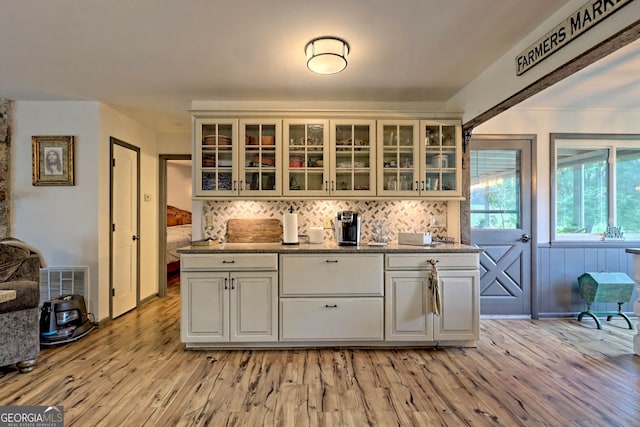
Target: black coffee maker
(347,228)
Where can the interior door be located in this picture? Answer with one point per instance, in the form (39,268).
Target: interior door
(501,222)
(124,227)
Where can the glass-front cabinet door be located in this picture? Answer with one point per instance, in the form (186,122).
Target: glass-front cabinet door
(353,160)
(214,168)
(441,157)
(306,160)
(398,158)
(260,171)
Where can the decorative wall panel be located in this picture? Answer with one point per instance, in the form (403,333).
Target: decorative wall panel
(558,271)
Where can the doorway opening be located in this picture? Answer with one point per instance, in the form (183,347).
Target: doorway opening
(175,215)
(124,220)
(502,216)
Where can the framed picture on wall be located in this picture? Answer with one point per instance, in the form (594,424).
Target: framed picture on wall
(52,160)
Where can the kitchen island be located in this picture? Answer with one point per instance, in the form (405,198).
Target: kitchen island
(239,295)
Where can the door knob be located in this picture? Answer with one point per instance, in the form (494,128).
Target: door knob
(525,238)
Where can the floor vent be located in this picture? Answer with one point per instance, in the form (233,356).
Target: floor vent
(56,281)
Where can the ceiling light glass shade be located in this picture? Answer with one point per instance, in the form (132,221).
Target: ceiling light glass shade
(327,55)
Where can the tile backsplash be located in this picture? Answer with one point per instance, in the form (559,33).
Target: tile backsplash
(402,215)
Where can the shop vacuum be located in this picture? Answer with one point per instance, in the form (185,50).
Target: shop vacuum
(64,319)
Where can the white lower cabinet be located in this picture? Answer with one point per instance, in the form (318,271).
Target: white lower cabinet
(328,299)
(321,319)
(331,297)
(221,307)
(409,304)
(460,297)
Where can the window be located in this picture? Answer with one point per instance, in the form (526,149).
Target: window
(595,187)
(495,189)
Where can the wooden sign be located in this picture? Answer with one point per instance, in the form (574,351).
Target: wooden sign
(579,22)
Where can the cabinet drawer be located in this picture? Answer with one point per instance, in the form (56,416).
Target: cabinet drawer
(332,274)
(229,262)
(309,319)
(464,261)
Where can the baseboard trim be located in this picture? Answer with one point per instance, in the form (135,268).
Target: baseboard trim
(505,316)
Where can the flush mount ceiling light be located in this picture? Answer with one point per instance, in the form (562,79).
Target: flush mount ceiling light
(327,55)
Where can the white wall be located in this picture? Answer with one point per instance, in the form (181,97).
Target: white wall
(114,124)
(61,221)
(70,224)
(544,122)
(174,143)
(179,185)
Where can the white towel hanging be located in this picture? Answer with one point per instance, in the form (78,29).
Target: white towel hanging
(434,285)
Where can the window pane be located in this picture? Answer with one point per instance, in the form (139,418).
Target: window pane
(581,192)
(495,189)
(628,192)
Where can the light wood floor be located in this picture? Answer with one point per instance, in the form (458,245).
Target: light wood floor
(134,371)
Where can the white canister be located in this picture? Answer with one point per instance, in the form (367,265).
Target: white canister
(316,234)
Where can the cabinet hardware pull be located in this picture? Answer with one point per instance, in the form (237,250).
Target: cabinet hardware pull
(326,186)
(333,185)
(228,262)
(335,261)
(417,186)
(241,185)
(233,283)
(331,306)
(225,283)
(235,185)
(421,185)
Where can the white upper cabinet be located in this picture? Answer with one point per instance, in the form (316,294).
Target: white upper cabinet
(306,157)
(398,158)
(214,158)
(419,158)
(260,168)
(315,158)
(353,158)
(441,158)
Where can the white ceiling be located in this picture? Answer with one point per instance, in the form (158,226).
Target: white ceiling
(151,58)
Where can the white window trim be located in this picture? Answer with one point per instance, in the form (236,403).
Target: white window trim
(597,141)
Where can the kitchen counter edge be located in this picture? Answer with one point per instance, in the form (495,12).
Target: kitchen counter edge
(324,248)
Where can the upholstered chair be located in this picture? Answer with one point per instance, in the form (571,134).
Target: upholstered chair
(19,317)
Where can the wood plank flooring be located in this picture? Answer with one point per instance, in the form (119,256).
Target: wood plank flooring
(135,372)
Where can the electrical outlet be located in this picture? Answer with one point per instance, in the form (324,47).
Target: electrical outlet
(327,222)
